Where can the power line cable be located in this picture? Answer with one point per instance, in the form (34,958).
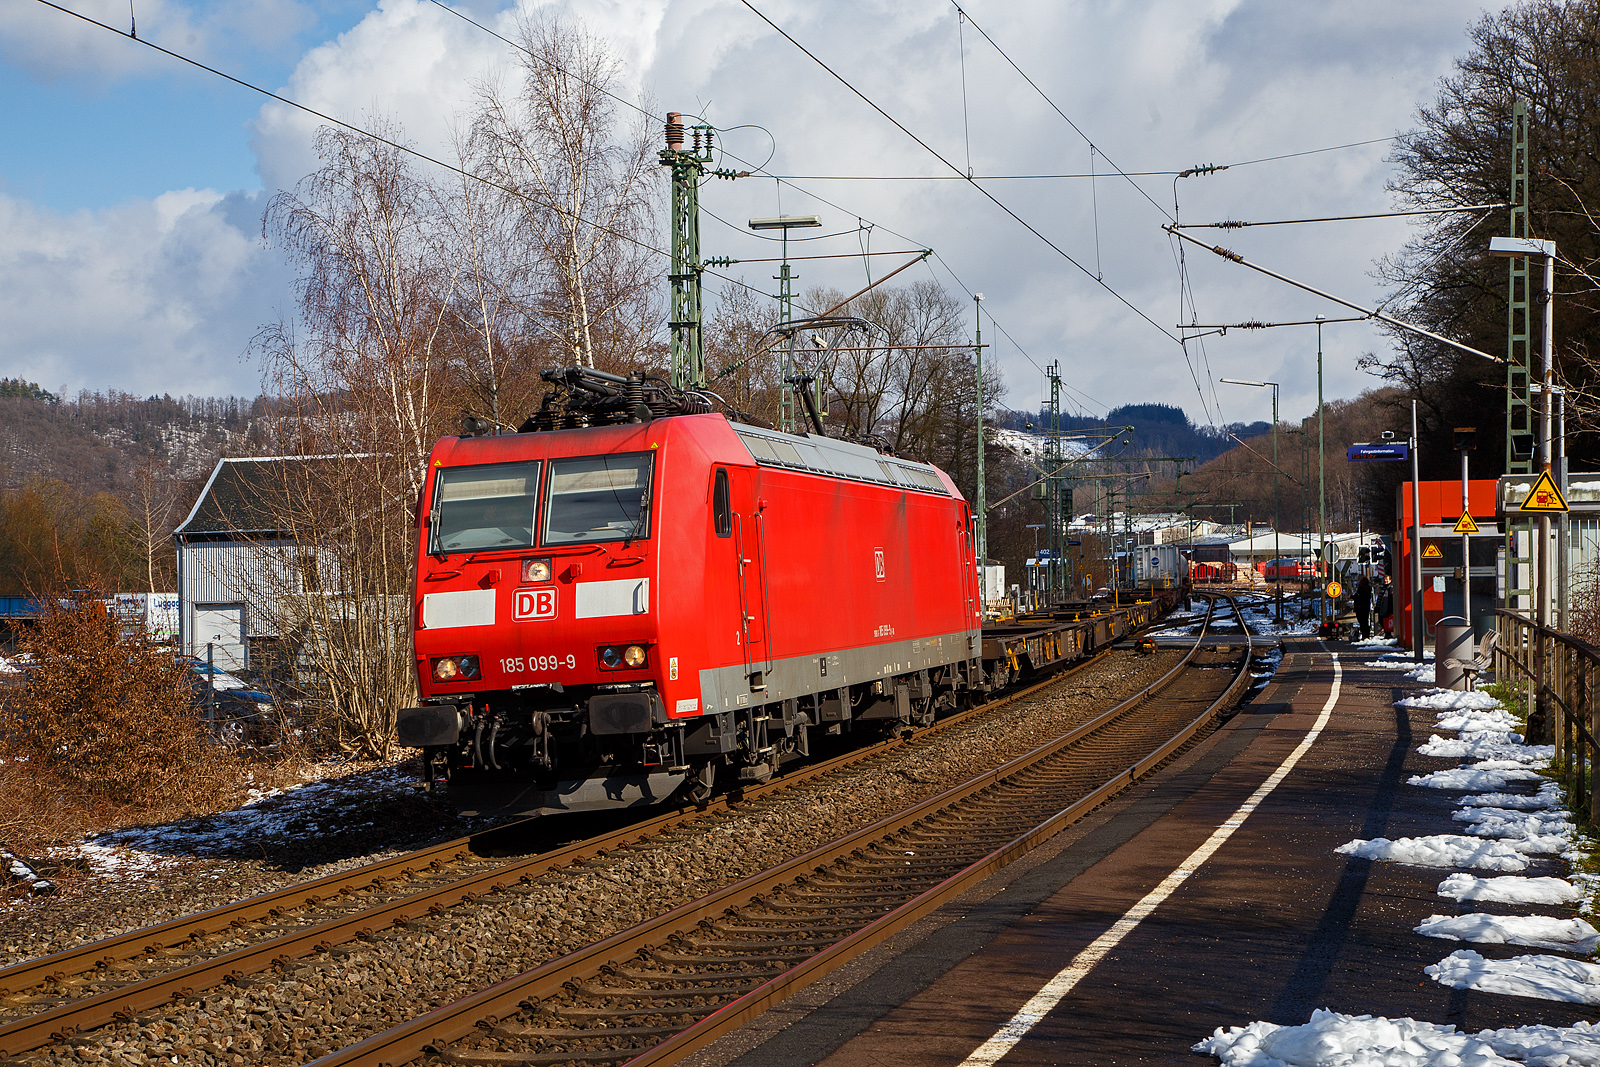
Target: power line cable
(1046,98)
(973,182)
(966,128)
(378,138)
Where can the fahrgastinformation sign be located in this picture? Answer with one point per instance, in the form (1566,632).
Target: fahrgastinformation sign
(1377,451)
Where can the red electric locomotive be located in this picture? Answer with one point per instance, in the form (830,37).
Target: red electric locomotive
(632,596)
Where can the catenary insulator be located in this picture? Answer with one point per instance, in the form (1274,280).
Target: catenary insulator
(674,131)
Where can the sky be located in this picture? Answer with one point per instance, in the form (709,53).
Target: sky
(132,185)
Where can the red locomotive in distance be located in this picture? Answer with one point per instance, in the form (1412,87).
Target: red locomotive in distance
(632,597)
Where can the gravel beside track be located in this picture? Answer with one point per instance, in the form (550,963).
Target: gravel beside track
(332,1000)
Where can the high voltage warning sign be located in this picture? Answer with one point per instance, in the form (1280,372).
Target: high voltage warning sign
(1544,496)
(1431,551)
(1466,525)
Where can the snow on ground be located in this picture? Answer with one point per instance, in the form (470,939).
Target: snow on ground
(1490,723)
(1490,774)
(1332,1039)
(1548,796)
(1452,700)
(339,804)
(1510,889)
(1491,744)
(1514,825)
(1440,850)
(1534,931)
(1398,660)
(1545,977)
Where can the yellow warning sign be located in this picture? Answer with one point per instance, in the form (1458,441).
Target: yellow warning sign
(1431,551)
(1544,496)
(1466,525)
(1334,589)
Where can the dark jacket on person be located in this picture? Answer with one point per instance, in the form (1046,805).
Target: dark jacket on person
(1385,603)
(1363,595)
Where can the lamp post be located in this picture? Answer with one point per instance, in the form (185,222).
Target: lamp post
(1322,486)
(1463,441)
(1521,248)
(1418,624)
(1276,553)
(983,516)
(1032,592)
(785,280)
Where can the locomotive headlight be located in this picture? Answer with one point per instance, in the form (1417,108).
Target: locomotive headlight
(455,668)
(536,570)
(622,657)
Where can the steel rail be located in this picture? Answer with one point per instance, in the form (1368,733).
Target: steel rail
(84,1013)
(430,1031)
(732,1016)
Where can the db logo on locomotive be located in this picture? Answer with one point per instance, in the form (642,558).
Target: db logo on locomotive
(535,604)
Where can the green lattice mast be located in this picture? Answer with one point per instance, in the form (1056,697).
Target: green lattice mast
(1519,411)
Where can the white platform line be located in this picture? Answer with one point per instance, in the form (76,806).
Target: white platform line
(1017,1027)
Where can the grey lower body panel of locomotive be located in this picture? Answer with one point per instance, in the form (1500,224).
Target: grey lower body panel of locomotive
(765,681)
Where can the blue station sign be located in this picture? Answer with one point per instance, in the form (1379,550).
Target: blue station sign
(1383,450)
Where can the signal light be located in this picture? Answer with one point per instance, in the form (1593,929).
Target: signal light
(536,570)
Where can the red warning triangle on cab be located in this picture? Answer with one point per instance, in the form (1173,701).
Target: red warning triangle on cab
(1544,496)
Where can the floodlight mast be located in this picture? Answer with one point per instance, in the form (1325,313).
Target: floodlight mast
(785,280)
(1524,248)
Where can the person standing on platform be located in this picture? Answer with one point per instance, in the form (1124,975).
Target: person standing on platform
(1385,606)
(1364,607)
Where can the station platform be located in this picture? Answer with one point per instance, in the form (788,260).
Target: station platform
(1270,926)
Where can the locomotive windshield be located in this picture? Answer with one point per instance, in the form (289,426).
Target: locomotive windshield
(478,508)
(598,498)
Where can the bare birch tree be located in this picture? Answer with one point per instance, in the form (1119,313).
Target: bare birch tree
(582,185)
(363,402)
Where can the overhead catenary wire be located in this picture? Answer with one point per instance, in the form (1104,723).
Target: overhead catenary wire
(1381,316)
(1239,224)
(1046,98)
(378,138)
(1024,223)
(781,180)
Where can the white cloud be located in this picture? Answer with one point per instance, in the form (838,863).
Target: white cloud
(1158,84)
(148,297)
(53,45)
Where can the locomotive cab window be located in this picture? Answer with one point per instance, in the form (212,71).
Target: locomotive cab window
(598,498)
(721,504)
(481,508)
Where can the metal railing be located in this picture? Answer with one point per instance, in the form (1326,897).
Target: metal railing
(1555,674)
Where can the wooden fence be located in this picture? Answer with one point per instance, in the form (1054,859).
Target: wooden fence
(1567,713)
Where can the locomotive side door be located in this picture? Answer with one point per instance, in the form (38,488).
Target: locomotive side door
(739,532)
(749,539)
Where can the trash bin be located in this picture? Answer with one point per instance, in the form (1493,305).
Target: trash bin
(1452,640)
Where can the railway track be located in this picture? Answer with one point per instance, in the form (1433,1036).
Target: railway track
(54,997)
(667,987)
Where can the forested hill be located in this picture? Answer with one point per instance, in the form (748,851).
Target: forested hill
(92,486)
(1157,430)
(100,442)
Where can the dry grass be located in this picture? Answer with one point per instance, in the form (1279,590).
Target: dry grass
(104,735)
